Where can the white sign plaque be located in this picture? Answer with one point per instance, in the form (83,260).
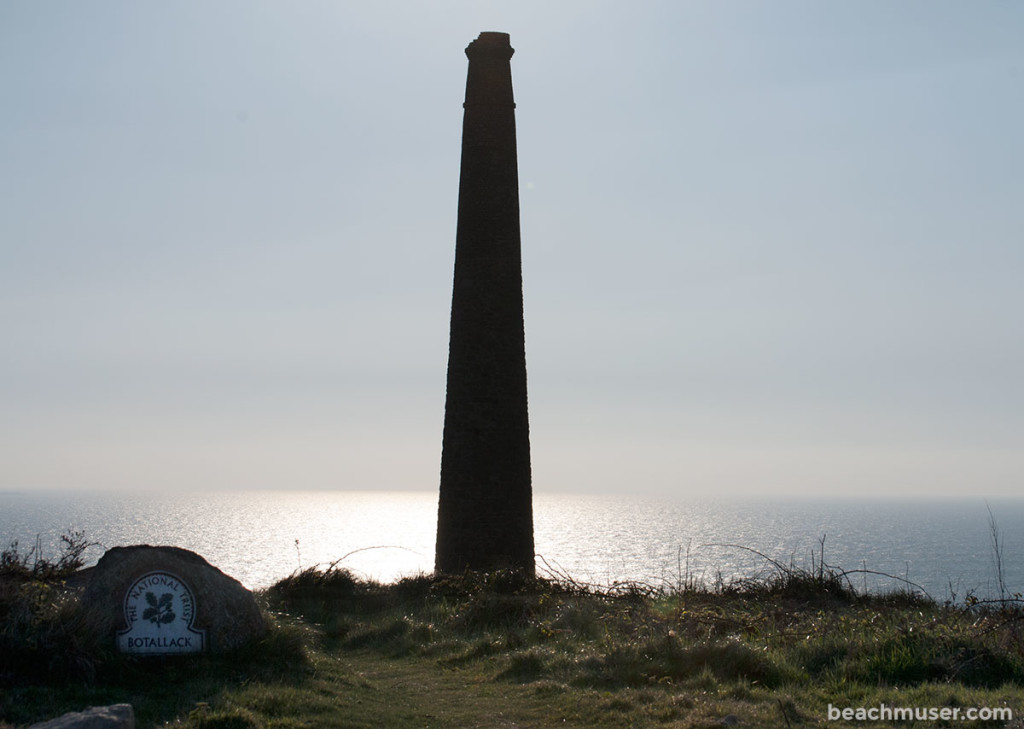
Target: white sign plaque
(159,609)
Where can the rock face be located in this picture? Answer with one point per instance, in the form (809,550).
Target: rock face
(118,716)
(161,600)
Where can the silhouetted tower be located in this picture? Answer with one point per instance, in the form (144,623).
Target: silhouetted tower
(485,514)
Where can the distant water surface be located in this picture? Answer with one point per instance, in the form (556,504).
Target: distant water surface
(260,537)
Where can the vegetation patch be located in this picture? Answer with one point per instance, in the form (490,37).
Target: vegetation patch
(462,650)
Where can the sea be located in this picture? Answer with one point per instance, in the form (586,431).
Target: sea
(949,549)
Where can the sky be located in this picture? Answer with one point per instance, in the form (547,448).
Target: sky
(769,248)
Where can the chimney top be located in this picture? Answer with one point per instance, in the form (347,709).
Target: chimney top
(491,42)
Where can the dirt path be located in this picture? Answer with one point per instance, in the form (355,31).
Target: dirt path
(420,692)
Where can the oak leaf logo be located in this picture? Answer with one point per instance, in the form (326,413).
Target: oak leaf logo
(160,612)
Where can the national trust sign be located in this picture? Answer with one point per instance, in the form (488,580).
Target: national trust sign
(159,609)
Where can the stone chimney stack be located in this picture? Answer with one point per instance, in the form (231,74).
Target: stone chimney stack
(485,512)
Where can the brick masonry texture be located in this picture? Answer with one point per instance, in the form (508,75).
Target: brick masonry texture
(485,514)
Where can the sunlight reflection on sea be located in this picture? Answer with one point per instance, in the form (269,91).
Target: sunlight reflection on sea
(260,537)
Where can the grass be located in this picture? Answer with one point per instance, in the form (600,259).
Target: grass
(506,650)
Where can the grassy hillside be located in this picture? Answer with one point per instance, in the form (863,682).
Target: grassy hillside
(504,651)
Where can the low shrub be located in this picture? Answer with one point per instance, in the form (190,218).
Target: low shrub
(42,635)
(917,658)
(669,659)
(16,565)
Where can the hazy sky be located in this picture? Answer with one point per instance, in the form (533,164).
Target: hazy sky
(768,247)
